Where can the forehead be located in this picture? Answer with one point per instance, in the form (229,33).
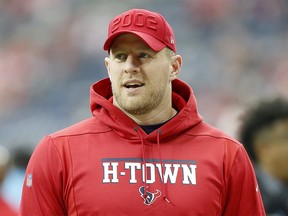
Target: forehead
(126,40)
(277,129)
(280,126)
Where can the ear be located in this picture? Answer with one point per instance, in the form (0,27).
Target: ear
(176,64)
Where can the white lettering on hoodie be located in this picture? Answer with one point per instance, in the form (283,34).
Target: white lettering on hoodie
(173,172)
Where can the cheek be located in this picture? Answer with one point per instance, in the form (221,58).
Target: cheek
(277,157)
(279,160)
(160,75)
(114,81)
(114,73)
(281,155)
(158,82)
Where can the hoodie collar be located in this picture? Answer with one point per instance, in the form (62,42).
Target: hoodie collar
(183,99)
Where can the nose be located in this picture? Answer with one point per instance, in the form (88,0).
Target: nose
(131,64)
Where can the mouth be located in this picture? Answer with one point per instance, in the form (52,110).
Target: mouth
(133,84)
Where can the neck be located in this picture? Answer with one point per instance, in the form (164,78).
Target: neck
(154,117)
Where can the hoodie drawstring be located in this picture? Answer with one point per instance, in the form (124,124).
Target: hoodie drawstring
(163,186)
(144,162)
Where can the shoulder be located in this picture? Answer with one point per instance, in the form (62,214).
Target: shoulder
(217,142)
(208,131)
(88,126)
(58,143)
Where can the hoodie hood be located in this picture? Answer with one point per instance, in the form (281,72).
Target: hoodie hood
(183,99)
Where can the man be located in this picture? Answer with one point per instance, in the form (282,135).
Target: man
(146,150)
(264,134)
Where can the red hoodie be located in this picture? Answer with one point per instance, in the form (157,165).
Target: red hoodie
(107,165)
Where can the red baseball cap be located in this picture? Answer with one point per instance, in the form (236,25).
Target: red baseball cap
(150,26)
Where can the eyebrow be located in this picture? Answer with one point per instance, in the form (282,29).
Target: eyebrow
(141,48)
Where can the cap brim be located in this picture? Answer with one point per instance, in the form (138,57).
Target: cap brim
(151,41)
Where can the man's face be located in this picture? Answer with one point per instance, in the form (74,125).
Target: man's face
(272,149)
(141,78)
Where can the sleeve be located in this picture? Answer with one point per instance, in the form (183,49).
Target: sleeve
(242,192)
(42,192)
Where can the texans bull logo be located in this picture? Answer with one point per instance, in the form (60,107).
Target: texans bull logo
(148,196)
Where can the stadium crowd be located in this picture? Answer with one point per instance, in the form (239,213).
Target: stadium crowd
(235,51)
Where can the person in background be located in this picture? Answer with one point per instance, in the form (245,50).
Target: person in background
(5,159)
(264,133)
(146,149)
(13,182)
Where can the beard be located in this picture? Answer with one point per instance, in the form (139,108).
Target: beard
(141,104)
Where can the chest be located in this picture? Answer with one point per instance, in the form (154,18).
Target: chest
(116,179)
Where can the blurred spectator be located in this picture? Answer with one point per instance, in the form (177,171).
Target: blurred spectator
(5,208)
(12,185)
(264,132)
